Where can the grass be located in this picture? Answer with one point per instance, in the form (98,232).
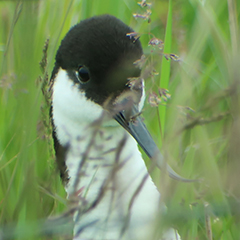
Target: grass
(198,129)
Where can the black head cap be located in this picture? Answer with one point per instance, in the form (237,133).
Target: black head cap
(101,46)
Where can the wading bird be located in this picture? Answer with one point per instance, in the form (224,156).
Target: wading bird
(97,128)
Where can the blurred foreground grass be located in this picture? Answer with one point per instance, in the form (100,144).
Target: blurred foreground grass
(198,129)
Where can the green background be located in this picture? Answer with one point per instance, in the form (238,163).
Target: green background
(197,129)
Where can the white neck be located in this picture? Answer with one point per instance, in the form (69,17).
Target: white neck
(112,169)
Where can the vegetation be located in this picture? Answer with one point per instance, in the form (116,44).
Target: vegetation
(196,123)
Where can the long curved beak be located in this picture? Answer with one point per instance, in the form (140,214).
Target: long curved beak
(136,127)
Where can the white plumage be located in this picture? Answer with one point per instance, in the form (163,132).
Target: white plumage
(119,175)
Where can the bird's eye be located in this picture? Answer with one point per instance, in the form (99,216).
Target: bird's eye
(83,74)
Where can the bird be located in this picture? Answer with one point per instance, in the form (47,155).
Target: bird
(97,98)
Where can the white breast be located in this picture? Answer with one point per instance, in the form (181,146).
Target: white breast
(105,167)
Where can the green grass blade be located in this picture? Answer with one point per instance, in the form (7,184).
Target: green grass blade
(166,65)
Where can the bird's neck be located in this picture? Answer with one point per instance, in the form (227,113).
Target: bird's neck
(109,180)
(107,175)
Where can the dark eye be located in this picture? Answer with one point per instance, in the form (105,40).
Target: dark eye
(83,74)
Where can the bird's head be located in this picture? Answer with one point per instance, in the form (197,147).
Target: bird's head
(93,66)
(99,57)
